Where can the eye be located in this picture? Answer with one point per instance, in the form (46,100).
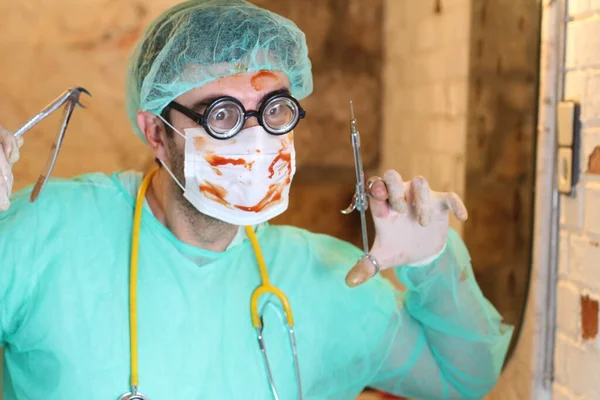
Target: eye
(224,118)
(275,110)
(280,114)
(221,115)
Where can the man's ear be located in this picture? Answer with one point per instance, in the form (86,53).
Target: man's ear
(154,132)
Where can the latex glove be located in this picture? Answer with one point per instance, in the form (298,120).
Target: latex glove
(411,223)
(9,155)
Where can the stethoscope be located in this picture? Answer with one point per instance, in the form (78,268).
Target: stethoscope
(265,288)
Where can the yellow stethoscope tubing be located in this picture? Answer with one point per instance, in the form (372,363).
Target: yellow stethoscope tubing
(133,272)
(265,288)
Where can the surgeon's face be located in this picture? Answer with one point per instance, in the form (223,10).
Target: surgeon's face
(249,88)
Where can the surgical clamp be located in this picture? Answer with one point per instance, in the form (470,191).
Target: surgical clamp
(71,98)
(360,201)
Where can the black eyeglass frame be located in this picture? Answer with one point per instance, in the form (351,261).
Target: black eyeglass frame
(201,119)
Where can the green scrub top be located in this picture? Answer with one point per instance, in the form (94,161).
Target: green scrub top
(64,268)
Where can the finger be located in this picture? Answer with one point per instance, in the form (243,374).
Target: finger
(360,273)
(6,182)
(4,200)
(15,153)
(4,131)
(4,142)
(11,145)
(396,191)
(377,189)
(422,196)
(378,199)
(456,206)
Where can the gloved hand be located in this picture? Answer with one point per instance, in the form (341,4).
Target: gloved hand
(411,223)
(9,155)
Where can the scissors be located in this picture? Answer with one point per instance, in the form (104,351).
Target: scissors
(69,98)
(360,199)
(264,288)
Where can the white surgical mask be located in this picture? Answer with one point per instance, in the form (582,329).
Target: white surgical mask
(244,180)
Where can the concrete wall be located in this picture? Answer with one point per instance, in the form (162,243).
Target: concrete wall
(426,72)
(500,151)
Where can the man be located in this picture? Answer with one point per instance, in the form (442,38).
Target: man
(213,90)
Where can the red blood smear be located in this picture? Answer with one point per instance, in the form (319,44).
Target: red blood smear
(215,192)
(275,191)
(199,143)
(287,157)
(262,79)
(215,161)
(273,195)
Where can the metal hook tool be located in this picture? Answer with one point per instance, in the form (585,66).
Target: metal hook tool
(70,98)
(360,200)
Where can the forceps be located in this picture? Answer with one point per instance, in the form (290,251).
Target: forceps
(360,201)
(70,97)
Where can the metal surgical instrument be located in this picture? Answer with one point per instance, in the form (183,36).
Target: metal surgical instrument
(69,98)
(360,201)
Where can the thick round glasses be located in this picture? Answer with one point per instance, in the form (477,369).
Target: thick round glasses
(225,117)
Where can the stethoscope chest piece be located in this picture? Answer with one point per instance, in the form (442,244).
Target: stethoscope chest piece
(131,396)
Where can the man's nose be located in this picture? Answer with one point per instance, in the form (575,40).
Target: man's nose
(251,119)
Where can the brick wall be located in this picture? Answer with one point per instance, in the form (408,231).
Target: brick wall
(577,355)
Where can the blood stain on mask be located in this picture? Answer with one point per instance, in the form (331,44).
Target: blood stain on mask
(216,161)
(273,195)
(215,192)
(199,143)
(285,157)
(275,191)
(263,79)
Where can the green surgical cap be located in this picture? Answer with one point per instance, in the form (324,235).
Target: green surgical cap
(200,41)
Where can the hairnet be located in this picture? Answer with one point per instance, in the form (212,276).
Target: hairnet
(199,41)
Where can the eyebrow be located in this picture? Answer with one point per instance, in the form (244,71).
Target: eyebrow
(206,101)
